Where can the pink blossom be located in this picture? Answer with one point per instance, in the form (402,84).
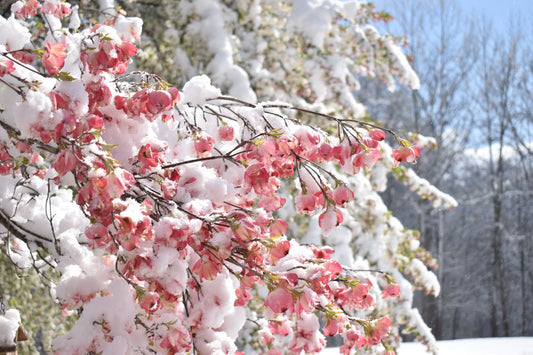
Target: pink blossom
(245,230)
(267,148)
(65,162)
(207,268)
(279,300)
(169,189)
(290,280)
(274,351)
(377,134)
(24,57)
(330,219)
(283,166)
(54,57)
(204,143)
(279,250)
(119,181)
(390,291)
(352,337)
(342,194)
(159,101)
(332,268)
(137,266)
(265,336)
(150,302)
(21,146)
(323,253)
(325,151)
(320,277)
(280,326)
(95,122)
(180,235)
(307,138)
(406,154)
(287,143)
(305,203)
(58,101)
(305,301)
(6,67)
(98,235)
(271,203)
(243,297)
(278,227)
(25,8)
(307,338)
(380,329)
(357,297)
(125,50)
(365,159)
(151,155)
(341,153)
(172,174)
(141,230)
(370,143)
(176,340)
(56,8)
(226,133)
(335,325)
(257,177)
(174,94)
(99,95)
(109,56)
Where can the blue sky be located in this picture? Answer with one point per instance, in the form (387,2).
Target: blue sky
(497,11)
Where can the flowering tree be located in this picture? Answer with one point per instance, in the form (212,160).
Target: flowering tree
(184,220)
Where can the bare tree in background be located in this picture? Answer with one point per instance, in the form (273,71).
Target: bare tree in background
(443,55)
(477,92)
(503,84)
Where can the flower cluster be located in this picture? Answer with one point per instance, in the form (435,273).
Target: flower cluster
(180,197)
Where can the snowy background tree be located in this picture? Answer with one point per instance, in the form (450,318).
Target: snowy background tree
(187,220)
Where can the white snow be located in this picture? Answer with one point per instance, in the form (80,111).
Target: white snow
(129,28)
(312,19)
(484,346)
(75,20)
(13,34)
(9,324)
(197,90)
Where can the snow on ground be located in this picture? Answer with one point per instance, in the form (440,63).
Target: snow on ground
(485,346)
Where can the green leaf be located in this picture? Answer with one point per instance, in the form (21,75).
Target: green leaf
(65,76)
(37,52)
(105,37)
